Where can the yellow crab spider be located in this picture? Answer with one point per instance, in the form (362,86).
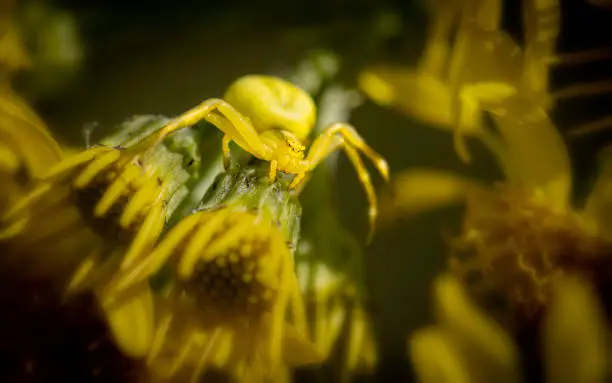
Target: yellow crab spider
(271,119)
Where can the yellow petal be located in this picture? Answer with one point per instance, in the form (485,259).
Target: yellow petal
(575,334)
(418,190)
(297,350)
(598,208)
(9,162)
(537,155)
(435,359)
(132,322)
(417,94)
(488,350)
(12,51)
(24,131)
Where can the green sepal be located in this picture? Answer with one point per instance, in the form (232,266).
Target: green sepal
(248,187)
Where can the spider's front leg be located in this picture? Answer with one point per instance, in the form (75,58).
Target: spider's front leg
(226,118)
(341,134)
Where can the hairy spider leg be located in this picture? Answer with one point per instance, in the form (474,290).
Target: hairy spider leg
(352,142)
(235,125)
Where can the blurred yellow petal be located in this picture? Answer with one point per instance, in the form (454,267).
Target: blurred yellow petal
(25,132)
(537,155)
(435,358)
(9,162)
(489,351)
(299,351)
(575,334)
(598,207)
(420,190)
(132,321)
(12,51)
(417,94)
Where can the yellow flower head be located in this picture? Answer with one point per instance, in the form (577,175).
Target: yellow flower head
(513,248)
(466,345)
(338,320)
(93,212)
(232,300)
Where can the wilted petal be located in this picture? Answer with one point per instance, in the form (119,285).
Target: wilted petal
(575,334)
(417,94)
(489,352)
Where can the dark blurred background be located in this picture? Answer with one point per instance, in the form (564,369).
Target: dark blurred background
(162,57)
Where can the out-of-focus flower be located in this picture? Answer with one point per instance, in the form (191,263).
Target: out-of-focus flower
(520,236)
(27,149)
(465,345)
(453,84)
(230,297)
(97,209)
(340,327)
(13,54)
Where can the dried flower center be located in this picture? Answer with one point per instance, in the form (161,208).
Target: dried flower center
(512,249)
(241,268)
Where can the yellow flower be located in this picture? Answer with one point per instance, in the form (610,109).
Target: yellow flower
(86,209)
(517,237)
(466,346)
(92,213)
(338,320)
(231,298)
(453,84)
